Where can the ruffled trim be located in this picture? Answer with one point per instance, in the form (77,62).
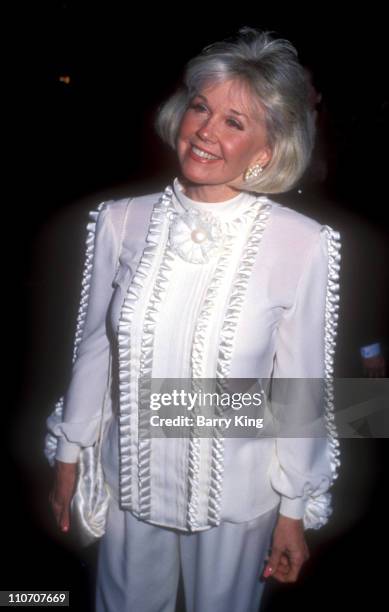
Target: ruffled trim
(216,480)
(317,511)
(238,292)
(146,366)
(259,212)
(131,372)
(318,508)
(51,441)
(192,517)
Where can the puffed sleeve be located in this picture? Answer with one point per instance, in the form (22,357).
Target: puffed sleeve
(307,449)
(75,420)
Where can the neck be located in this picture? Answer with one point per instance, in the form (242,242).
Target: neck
(208,193)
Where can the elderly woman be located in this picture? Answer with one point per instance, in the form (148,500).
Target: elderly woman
(210,279)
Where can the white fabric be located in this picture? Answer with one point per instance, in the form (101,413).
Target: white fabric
(280,333)
(139,565)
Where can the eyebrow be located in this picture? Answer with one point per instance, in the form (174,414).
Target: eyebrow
(231,109)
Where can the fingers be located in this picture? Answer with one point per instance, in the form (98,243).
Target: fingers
(283,569)
(62,493)
(271,567)
(61,511)
(296,561)
(285,566)
(64,523)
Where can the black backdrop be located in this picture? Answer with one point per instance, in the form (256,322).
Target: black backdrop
(74,144)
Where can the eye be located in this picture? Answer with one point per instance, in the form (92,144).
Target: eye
(235,124)
(197,106)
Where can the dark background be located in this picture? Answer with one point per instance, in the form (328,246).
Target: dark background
(74,145)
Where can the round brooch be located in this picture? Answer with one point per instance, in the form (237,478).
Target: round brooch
(195,236)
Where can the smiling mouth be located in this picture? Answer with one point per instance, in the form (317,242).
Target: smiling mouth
(199,153)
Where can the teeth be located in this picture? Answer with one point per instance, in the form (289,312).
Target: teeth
(201,153)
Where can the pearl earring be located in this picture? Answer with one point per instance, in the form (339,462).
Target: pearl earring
(253,172)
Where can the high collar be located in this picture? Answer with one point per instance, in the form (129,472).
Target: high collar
(228,210)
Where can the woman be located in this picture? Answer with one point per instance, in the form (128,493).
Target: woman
(215,281)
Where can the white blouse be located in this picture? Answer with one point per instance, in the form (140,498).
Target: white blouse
(239,289)
(186,290)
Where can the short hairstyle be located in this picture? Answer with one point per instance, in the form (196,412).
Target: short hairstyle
(270,67)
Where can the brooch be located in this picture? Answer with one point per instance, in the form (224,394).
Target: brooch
(196,236)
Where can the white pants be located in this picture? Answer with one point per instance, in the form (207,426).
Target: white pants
(139,565)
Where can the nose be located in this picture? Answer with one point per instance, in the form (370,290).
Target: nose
(207,132)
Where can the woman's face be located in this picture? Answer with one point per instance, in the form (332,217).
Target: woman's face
(220,121)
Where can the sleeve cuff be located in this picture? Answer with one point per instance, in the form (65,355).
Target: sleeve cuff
(292,508)
(68,452)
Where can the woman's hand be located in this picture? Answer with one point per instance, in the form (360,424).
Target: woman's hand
(289,550)
(64,486)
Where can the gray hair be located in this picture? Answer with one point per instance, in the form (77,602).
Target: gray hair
(275,77)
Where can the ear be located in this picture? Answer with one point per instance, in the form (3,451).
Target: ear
(264,157)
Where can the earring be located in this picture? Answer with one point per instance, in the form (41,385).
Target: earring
(253,172)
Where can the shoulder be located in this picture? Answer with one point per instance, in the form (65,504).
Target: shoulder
(113,208)
(288,219)
(111,213)
(298,230)
(117,205)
